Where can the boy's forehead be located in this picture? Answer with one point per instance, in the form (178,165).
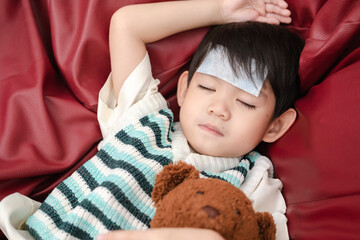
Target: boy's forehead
(216,64)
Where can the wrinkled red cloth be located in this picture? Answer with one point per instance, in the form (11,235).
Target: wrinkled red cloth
(318,159)
(54,58)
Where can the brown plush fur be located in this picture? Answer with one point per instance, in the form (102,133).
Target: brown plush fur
(184,200)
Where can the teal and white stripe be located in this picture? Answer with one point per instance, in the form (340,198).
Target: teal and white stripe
(113,189)
(236,176)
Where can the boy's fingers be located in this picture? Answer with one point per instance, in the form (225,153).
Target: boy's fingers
(274,21)
(281,19)
(260,7)
(162,234)
(280,3)
(271,8)
(123,235)
(249,13)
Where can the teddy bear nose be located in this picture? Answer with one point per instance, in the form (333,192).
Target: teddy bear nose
(211,211)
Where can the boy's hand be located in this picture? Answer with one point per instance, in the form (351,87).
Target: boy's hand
(270,11)
(163,234)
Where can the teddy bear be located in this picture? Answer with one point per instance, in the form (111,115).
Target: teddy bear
(183,199)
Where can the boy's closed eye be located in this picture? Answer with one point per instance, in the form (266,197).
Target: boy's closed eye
(206,88)
(245,104)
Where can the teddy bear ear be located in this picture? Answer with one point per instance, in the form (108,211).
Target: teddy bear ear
(267,228)
(171,176)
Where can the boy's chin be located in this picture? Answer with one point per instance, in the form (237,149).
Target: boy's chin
(211,151)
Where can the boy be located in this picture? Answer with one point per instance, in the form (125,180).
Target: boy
(111,191)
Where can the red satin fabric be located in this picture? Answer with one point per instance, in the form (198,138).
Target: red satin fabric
(54,58)
(318,159)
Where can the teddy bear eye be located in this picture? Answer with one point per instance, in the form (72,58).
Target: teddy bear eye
(199,193)
(237,212)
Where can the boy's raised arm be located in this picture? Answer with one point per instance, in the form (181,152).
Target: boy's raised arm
(135,25)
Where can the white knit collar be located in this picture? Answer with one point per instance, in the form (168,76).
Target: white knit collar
(182,152)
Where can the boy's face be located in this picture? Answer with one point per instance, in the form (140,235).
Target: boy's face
(219,119)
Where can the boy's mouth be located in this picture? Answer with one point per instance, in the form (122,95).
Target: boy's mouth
(211,129)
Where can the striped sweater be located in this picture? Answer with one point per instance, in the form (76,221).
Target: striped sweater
(112,190)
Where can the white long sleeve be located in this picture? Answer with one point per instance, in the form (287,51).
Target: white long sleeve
(139,84)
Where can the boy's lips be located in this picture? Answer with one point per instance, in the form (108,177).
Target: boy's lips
(211,129)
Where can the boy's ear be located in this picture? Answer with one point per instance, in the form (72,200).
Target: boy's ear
(280,125)
(182,87)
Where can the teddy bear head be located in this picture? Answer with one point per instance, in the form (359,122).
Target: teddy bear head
(183,199)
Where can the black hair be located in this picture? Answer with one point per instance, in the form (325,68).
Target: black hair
(276,51)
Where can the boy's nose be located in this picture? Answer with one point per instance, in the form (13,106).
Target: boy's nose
(219,109)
